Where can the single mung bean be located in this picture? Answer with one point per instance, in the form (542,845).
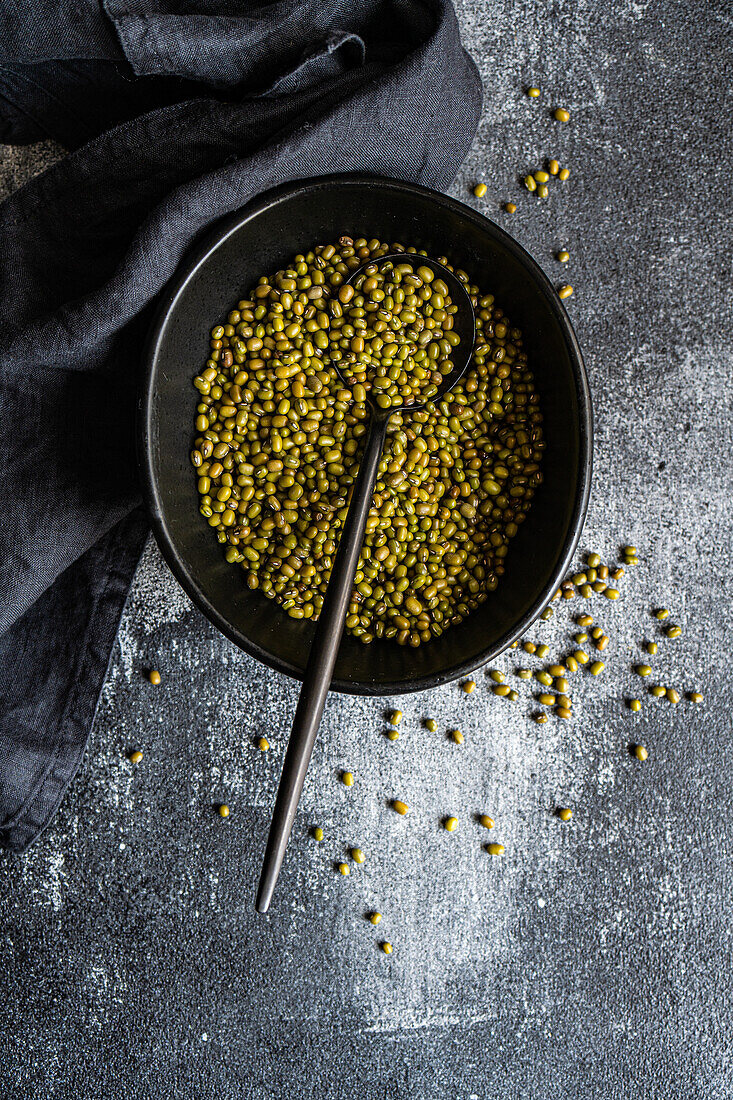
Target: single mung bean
(395,717)
(533,93)
(563,174)
(673,631)
(495,849)
(400,807)
(561,114)
(661,613)
(486,821)
(673,695)
(565,813)
(651,647)
(223,810)
(374,918)
(640,752)
(263,744)
(347,778)
(450,824)
(510,207)
(635,704)
(154,676)
(468,686)
(695,696)
(357,855)
(596,668)
(657,690)
(386,947)
(457,737)
(344,868)
(135,757)
(318,834)
(480,190)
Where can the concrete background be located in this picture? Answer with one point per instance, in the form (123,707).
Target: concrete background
(593,959)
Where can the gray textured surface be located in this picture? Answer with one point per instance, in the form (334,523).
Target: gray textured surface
(592,960)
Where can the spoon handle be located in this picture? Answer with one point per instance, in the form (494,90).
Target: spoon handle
(322,658)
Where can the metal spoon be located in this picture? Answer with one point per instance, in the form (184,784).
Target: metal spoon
(330,625)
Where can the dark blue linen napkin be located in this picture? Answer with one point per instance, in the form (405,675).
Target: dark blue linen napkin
(175,112)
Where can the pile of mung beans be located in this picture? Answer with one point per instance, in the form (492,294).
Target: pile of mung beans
(279,436)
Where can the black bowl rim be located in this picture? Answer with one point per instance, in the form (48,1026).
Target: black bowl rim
(187,269)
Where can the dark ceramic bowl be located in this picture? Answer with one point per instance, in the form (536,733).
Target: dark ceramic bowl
(262,237)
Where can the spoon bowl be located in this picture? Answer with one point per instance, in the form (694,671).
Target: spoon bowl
(464,323)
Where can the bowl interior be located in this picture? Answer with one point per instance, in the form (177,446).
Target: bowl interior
(262,238)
